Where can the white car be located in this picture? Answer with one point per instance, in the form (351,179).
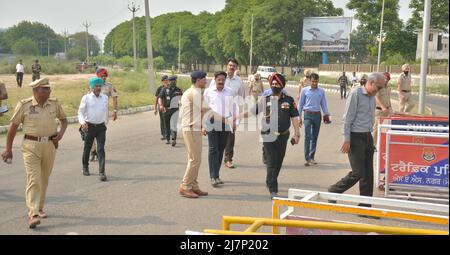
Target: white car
(266,71)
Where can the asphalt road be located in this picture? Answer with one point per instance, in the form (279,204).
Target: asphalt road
(140,196)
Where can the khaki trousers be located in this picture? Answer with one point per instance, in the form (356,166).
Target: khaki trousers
(38,158)
(406,103)
(193,141)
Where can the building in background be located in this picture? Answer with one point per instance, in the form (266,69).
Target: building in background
(437,44)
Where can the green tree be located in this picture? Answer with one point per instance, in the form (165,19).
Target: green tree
(77,52)
(439,14)
(396,37)
(41,34)
(78,41)
(25,46)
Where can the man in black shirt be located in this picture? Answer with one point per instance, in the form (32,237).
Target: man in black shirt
(279,112)
(168,104)
(165,81)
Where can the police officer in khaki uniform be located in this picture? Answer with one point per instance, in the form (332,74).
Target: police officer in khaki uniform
(404,89)
(3,96)
(38,116)
(383,105)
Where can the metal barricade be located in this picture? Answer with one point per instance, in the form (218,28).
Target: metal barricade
(423,212)
(421,172)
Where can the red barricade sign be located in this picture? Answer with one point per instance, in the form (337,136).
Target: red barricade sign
(415,160)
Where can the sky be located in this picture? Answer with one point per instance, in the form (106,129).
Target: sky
(104,15)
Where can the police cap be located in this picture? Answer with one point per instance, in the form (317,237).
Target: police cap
(198,75)
(164,77)
(173,78)
(44,82)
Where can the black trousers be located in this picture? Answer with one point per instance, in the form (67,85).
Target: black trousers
(97,132)
(162,124)
(216,143)
(19,79)
(171,128)
(275,152)
(229,147)
(343,92)
(361,161)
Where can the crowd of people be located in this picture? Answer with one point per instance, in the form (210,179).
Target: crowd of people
(215,111)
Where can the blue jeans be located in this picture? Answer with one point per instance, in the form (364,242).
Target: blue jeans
(312,127)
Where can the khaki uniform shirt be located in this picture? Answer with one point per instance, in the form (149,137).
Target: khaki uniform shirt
(405,82)
(305,82)
(2,91)
(37,120)
(192,109)
(109,90)
(384,95)
(256,88)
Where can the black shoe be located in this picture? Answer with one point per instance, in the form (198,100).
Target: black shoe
(174,142)
(332,201)
(85,172)
(102,177)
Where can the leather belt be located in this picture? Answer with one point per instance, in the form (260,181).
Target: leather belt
(277,133)
(96,125)
(315,113)
(40,138)
(406,91)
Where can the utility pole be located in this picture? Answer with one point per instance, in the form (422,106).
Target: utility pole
(381,37)
(179,50)
(133,9)
(87,25)
(65,33)
(48,47)
(424,58)
(251,45)
(149,48)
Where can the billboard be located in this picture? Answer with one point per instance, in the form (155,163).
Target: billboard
(326,34)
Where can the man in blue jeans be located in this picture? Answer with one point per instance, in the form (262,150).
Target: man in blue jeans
(312,101)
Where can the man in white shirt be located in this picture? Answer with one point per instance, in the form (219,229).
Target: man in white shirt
(20,69)
(93,115)
(235,84)
(221,100)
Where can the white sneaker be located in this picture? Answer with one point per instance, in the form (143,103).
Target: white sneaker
(308,163)
(312,161)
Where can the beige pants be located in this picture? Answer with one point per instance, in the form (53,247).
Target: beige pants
(379,113)
(406,103)
(38,158)
(193,141)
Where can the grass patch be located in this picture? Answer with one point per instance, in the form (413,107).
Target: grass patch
(133,89)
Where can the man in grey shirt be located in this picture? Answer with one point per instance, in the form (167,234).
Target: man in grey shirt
(358,142)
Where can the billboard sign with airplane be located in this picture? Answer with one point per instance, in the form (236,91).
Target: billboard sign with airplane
(326,34)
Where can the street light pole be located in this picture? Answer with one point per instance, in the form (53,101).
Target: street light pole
(133,9)
(251,45)
(381,37)
(424,58)
(149,48)
(179,50)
